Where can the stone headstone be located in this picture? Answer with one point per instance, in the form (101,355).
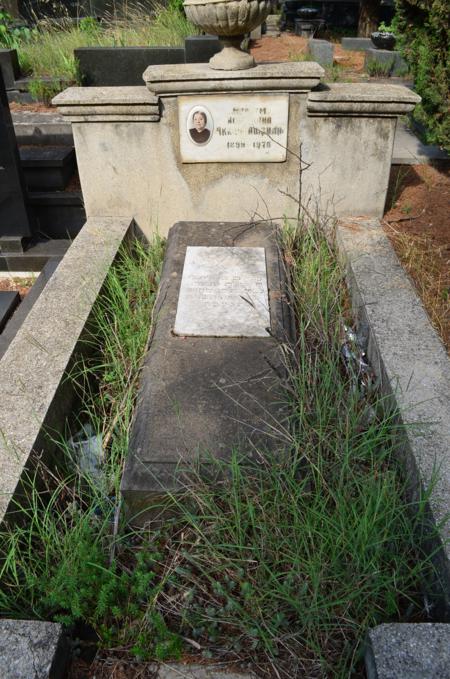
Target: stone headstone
(321,51)
(15,222)
(9,66)
(356,44)
(115,66)
(200,48)
(204,395)
(32,649)
(390,60)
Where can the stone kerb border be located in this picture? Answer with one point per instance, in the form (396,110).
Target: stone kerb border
(414,369)
(362,99)
(108,104)
(35,396)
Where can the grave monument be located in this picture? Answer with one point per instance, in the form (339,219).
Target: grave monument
(227,147)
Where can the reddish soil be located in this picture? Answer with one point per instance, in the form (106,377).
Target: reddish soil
(417,222)
(20,285)
(290,47)
(36,107)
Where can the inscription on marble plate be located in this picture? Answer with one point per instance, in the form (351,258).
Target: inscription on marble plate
(234,128)
(223,293)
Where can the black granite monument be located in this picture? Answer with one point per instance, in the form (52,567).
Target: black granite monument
(15,219)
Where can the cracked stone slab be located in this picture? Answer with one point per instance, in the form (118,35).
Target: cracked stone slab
(32,649)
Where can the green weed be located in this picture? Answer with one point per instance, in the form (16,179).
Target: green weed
(377,69)
(49,51)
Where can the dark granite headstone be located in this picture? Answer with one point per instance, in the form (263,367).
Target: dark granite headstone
(8,302)
(47,167)
(200,48)
(15,220)
(121,66)
(206,394)
(9,66)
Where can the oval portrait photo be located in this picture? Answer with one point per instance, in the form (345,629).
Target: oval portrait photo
(200,125)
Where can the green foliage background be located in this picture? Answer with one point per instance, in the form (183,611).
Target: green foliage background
(424,38)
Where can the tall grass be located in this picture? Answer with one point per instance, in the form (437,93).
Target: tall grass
(49,50)
(280,563)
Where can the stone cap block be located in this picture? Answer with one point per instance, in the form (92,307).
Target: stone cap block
(32,649)
(361,98)
(108,104)
(408,651)
(193,78)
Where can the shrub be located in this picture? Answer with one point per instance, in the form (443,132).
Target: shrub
(423,38)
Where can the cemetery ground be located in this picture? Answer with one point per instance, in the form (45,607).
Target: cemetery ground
(416,221)
(278,565)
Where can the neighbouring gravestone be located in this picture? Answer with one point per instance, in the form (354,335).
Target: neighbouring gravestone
(9,300)
(32,649)
(9,66)
(212,378)
(112,66)
(47,167)
(15,222)
(200,48)
(321,51)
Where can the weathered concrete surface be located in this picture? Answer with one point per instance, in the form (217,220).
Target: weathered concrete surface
(344,132)
(32,649)
(202,396)
(165,188)
(414,369)
(408,651)
(34,397)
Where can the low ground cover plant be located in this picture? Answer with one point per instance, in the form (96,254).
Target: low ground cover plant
(279,564)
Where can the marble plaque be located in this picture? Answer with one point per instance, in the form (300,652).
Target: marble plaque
(233,128)
(223,293)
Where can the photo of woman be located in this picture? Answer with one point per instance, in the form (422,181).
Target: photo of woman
(200,126)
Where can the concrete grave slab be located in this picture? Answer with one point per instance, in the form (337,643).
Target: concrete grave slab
(32,649)
(202,396)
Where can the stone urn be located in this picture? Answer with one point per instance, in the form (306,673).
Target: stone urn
(383,40)
(230,20)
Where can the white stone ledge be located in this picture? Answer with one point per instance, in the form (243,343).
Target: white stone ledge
(361,99)
(108,104)
(170,80)
(34,395)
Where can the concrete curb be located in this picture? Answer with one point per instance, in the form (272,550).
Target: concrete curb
(408,651)
(414,370)
(33,367)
